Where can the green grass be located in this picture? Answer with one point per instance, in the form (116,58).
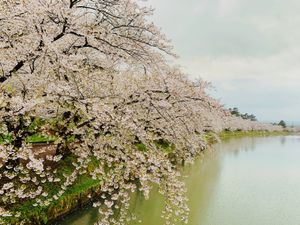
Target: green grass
(35,138)
(75,195)
(5,138)
(230,134)
(141,147)
(165,146)
(160,144)
(210,138)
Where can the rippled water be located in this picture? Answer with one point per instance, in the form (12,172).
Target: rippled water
(247,181)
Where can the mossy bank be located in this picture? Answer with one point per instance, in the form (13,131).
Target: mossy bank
(85,188)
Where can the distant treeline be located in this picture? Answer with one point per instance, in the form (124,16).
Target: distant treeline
(235,111)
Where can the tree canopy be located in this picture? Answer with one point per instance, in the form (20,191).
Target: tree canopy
(92,74)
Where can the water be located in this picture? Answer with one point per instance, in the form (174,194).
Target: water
(247,181)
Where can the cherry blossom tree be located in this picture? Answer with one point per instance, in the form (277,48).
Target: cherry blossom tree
(94,72)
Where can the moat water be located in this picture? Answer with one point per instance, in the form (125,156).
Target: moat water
(243,181)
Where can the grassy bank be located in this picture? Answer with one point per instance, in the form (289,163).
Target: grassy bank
(77,195)
(85,188)
(238,134)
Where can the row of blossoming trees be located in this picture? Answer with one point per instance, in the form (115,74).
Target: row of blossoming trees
(94,72)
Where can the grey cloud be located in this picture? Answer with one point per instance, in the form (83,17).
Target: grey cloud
(209,32)
(249,49)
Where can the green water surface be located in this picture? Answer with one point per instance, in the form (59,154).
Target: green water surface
(245,181)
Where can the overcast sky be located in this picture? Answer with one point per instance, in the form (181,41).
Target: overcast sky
(248,49)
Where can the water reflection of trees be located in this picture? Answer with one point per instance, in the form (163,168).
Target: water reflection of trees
(236,145)
(201,178)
